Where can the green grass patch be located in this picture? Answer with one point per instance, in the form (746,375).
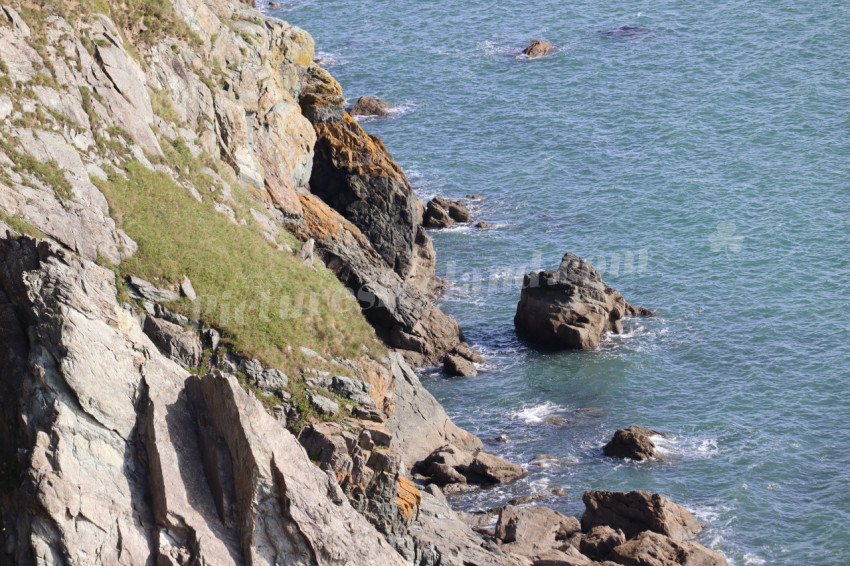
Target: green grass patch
(162,106)
(263,300)
(20,225)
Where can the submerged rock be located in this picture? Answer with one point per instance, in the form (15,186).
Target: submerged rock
(633,442)
(638,511)
(538,48)
(570,308)
(371,106)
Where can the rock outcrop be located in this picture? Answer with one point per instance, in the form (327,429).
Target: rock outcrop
(444,213)
(538,48)
(371,106)
(653,549)
(633,443)
(638,511)
(129,459)
(570,308)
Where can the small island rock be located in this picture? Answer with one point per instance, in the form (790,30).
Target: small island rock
(538,48)
(371,106)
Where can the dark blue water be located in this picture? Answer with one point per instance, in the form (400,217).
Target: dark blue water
(702,164)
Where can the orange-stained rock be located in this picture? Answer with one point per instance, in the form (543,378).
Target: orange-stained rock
(408,499)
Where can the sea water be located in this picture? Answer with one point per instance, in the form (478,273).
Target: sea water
(700,160)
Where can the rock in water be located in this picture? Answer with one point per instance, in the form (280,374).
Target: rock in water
(458,366)
(371,106)
(653,549)
(538,48)
(633,442)
(638,511)
(570,308)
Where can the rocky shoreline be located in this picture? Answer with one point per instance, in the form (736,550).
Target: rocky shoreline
(156,410)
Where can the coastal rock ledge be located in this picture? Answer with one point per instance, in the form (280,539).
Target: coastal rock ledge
(570,308)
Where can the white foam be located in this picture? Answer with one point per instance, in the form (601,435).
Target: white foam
(537,413)
(328,60)
(394,112)
(753,559)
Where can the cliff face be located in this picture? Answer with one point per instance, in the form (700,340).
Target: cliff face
(179,386)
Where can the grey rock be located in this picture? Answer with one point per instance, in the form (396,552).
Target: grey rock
(212,338)
(252,368)
(168,314)
(180,344)
(325,406)
(529,531)
(487,468)
(152,292)
(458,366)
(305,254)
(419,424)
(272,380)
(187,289)
(570,308)
(637,511)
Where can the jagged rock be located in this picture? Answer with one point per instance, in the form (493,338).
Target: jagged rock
(570,308)
(456,365)
(538,48)
(653,549)
(187,289)
(252,368)
(419,424)
(442,538)
(325,444)
(371,106)
(193,471)
(443,213)
(600,541)
(180,344)
(532,531)
(325,406)
(400,310)
(354,173)
(633,442)
(321,99)
(305,254)
(212,338)
(437,217)
(151,292)
(487,468)
(271,380)
(353,389)
(638,511)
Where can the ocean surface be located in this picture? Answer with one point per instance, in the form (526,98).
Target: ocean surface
(702,162)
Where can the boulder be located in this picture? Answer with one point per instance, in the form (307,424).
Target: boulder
(325,406)
(305,254)
(538,525)
(483,224)
(654,549)
(538,48)
(180,344)
(371,106)
(151,292)
(570,308)
(458,366)
(600,540)
(568,556)
(187,289)
(271,380)
(638,511)
(487,468)
(633,443)
(436,216)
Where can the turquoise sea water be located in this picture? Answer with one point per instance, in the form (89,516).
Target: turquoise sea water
(702,164)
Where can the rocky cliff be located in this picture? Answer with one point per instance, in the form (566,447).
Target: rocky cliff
(213,285)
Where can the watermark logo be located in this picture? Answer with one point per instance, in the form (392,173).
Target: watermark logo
(726,239)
